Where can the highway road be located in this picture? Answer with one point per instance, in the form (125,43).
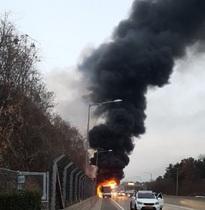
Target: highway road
(123,203)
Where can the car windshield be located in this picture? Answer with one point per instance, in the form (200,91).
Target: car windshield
(146,195)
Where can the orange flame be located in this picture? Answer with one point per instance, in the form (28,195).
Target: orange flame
(110,183)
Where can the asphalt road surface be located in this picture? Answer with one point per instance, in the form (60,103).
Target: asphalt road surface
(175,207)
(123,203)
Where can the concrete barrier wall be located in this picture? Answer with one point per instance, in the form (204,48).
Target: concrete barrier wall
(187,201)
(85,204)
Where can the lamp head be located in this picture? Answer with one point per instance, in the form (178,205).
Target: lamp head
(117,100)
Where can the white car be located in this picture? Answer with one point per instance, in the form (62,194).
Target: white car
(144,199)
(160,199)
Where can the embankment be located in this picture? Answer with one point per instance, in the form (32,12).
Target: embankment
(197,203)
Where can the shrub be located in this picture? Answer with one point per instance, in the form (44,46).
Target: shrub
(20,200)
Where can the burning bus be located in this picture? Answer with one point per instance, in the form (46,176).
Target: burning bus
(106,191)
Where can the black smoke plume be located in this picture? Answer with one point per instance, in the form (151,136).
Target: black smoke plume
(141,54)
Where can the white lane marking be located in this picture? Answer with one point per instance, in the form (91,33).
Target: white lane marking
(181,207)
(117,204)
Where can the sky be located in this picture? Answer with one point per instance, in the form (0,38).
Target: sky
(65,30)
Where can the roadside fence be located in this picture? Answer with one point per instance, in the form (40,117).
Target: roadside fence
(64,185)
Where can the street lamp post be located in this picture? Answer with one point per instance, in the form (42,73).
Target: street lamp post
(88,125)
(150,179)
(177,182)
(140,181)
(139,177)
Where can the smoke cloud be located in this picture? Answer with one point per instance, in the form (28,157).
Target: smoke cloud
(141,55)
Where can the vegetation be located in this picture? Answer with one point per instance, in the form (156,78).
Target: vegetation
(20,200)
(31,136)
(184,178)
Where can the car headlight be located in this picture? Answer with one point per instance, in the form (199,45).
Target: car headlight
(157,203)
(138,202)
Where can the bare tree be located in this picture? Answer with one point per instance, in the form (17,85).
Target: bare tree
(21,88)
(72,141)
(18,73)
(28,131)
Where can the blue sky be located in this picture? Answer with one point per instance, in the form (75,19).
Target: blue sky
(64,30)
